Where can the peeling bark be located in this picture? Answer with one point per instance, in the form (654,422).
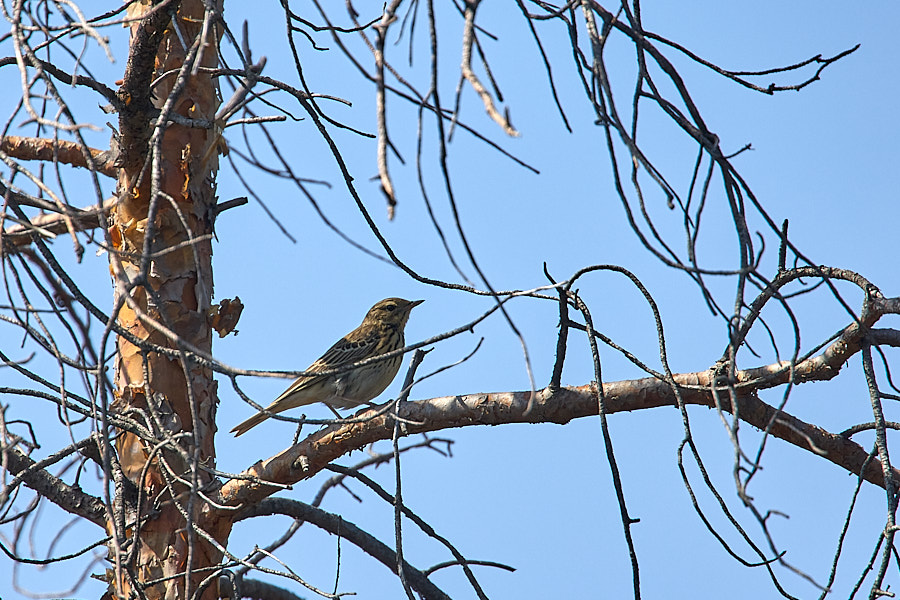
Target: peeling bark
(163,275)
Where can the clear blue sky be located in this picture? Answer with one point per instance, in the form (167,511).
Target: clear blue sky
(540,498)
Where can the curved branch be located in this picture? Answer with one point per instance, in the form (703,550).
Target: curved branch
(336,525)
(254,588)
(737,76)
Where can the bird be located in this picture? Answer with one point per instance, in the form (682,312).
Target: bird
(380,332)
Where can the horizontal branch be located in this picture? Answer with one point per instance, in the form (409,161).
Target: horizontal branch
(58,151)
(54,223)
(81,219)
(310,456)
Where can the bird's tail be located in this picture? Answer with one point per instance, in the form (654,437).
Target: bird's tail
(253,421)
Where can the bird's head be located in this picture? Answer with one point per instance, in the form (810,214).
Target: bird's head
(390,312)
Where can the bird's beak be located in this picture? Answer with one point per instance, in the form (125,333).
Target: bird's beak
(415,303)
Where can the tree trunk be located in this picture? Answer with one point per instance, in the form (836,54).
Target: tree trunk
(162,272)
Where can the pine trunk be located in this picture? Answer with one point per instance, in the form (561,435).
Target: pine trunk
(162,272)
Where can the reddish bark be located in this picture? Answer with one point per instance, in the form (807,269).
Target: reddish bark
(173,292)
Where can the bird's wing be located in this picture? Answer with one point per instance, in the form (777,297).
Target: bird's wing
(343,352)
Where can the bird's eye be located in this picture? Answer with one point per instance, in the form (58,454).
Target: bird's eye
(390,307)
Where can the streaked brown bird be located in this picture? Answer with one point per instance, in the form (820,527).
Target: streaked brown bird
(380,332)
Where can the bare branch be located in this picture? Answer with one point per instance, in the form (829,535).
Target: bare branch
(337,525)
(312,455)
(70,498)
(57,151)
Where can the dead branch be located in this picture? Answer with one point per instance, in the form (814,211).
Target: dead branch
(706,388)
(57,151)
(46,225)
(312,455)
(70,498)
(337,525)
